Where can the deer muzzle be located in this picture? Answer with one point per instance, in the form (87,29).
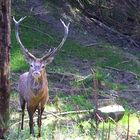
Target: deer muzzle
(36,74)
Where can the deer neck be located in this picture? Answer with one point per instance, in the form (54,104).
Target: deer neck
(37,85)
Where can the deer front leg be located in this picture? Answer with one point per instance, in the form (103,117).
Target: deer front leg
(23,108)
(39,121)
(22,105)
(31,123)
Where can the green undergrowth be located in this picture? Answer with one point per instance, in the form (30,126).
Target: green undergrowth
(72,126)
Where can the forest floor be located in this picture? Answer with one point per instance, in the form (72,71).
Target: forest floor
(88,35)
(70,78)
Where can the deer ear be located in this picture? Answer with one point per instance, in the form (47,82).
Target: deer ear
(49,60)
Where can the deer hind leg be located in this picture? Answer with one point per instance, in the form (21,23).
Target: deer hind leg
(39,121)
(31,123)
(22,103)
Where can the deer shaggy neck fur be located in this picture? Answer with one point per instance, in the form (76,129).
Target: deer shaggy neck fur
(37,84)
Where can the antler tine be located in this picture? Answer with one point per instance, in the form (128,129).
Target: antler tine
(66,30)
(53,52)
(17,22)
(25,51)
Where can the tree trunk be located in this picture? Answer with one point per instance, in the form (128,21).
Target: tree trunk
(5,14)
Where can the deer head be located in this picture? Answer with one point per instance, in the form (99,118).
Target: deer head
(37,65)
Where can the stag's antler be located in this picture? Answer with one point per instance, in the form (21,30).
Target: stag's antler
(27,54)
(53,51)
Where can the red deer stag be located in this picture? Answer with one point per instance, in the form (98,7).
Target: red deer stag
(33,85)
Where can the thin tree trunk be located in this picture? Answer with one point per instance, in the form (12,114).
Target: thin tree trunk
(5,13)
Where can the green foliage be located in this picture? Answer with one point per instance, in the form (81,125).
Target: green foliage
(81,101)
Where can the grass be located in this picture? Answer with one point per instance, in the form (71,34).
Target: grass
(76,102)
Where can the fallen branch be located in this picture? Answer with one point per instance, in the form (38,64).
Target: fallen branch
(90,45)
(55,114)
(116,33)
(136,76)
(132,58)
(84,78)
(112,68)
(66,75)
(130,90)
(70,112)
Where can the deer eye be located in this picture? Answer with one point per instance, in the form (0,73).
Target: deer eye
(31,65)
(43,66)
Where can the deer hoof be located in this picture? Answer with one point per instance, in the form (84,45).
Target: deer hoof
(39,135)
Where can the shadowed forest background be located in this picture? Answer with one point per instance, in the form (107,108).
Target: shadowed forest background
(98,66)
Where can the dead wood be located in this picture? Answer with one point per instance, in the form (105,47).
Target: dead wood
(64,75)
(112,68)
(115,32)
(132,58)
